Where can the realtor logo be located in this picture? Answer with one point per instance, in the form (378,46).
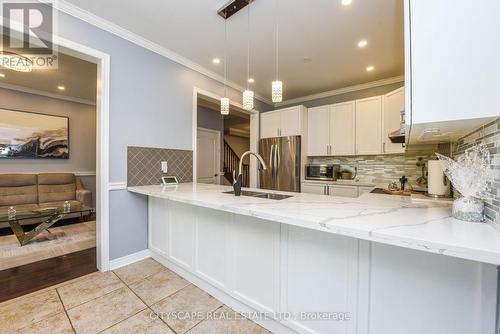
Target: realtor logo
(27,31)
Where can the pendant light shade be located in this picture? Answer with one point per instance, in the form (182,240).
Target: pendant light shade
(277,91)
(224,102)
(248,100)
(277,85)
(248,95)
(224,106)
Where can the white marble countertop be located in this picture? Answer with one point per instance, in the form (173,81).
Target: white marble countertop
(393,220)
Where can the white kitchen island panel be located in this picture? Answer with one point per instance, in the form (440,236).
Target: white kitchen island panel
(294,273)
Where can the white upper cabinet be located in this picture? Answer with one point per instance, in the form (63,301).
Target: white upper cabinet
(270,123)
(281,123)
(342,129)
(393,103)
(452,55)
(291,121)
(369,126)
(318,131)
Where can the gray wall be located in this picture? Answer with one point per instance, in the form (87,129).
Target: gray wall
(210,119)
(82,132)
(151,103)
(360,94)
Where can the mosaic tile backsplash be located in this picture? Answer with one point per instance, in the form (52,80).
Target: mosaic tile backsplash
(382,169)
(489,134)
(144,165)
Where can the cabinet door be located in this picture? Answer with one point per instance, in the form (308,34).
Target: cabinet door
(318,133)
(290,122)
(313,188)
(343,191)
(270,124)
(342,129)
(369,125)
(394,102)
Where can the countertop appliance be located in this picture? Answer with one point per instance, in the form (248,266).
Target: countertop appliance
(438,184)
(322,172)
(282,157)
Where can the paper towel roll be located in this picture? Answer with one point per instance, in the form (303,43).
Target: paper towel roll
(438,183)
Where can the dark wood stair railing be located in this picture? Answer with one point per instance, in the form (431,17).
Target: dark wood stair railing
(232,162)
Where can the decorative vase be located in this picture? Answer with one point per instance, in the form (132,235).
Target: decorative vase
(469,209)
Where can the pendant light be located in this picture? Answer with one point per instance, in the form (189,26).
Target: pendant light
(224,102)
(248,94)
(277,85)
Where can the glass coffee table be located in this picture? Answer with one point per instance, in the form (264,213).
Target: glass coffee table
(46,217)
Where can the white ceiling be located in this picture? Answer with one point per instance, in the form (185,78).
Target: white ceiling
(78,77)
(322,30)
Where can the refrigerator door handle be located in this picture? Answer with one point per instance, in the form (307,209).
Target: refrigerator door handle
(276,160)
(271,161)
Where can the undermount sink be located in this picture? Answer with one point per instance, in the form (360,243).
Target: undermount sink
(260,194)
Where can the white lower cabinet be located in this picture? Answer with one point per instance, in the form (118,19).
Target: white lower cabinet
(314,188)
(343,191)
(318,282)
(255,244)
(320,272)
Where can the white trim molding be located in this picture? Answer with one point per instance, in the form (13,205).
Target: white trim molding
(44,93)
(85,173)
(115,186)
(344,90)
(110,27)
(129,259)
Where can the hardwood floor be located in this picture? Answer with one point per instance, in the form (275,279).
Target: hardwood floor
(18,281)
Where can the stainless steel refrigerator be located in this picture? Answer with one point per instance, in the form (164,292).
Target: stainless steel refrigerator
(282,157)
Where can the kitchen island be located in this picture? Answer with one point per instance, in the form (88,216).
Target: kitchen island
(373,264)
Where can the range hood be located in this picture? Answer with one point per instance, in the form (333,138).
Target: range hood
(398,136)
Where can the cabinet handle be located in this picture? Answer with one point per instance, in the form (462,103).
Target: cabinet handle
(383,149)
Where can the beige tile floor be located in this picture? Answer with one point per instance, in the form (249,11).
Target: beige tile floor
(56,241)
(143,297)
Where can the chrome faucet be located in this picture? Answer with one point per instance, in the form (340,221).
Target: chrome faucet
(237,180)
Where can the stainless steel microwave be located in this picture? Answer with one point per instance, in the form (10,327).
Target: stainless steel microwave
(322,172)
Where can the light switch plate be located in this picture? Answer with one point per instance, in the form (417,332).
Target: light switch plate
(164,167)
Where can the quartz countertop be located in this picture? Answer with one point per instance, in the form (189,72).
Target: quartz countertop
(388,219)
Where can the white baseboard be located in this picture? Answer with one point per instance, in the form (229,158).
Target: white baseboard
(129,259)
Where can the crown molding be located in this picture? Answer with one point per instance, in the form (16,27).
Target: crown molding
(110,27)
(339,91)
(46,94)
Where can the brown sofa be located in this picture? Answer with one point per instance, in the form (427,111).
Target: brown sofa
(29,192)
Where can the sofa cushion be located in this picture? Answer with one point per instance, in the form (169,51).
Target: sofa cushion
(18,189)
(56,187)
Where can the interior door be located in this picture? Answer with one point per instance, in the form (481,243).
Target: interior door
(208,156)
(343,129)
(318,131)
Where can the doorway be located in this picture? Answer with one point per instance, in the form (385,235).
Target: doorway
(221,140)
(209,156)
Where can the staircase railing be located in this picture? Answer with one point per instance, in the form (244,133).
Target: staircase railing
(232,162)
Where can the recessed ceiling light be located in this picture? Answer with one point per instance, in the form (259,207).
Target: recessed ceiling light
(346,2)
(370,68)
(216,61)
(362,43)
(2,75)
(61,87)
(251,80)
